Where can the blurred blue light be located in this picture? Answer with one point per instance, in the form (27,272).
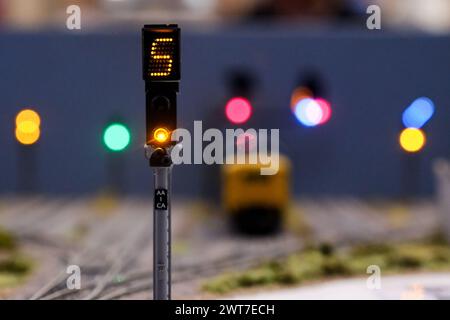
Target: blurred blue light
(308,112)
(418,113)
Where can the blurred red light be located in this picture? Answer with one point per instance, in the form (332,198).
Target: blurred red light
(238,110)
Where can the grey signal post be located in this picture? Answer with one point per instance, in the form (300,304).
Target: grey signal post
(161,225)
(161,72)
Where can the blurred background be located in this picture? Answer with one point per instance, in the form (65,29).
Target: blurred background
(364,133)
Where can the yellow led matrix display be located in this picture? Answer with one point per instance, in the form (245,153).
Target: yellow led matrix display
(161,57)
(161,52)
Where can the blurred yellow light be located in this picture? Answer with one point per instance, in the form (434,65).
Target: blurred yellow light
(27,137)
(28,115)
(27,126)
(161,135)
(412,139)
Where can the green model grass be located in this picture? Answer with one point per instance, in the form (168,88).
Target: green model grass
(14,266)
(325,262)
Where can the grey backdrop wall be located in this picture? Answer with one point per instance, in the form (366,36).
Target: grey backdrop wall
(77,82)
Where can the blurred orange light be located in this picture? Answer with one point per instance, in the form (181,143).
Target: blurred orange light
(299,94)
(412,139)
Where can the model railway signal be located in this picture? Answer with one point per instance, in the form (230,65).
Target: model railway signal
(161,72)
(238,109)
(412,140)
(116,139)
(27,133)
(307,103)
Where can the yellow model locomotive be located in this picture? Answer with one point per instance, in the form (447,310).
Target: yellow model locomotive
(256,203)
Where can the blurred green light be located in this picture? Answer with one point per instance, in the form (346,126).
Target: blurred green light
(116,137)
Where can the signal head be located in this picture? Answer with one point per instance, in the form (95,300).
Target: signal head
(161,52)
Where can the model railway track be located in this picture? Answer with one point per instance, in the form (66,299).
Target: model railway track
(37,220)
(137,283)
(140,281)
(115,256)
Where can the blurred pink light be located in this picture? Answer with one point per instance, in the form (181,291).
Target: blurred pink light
(312,112)
(248,141)
(326,110)
(238,110)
